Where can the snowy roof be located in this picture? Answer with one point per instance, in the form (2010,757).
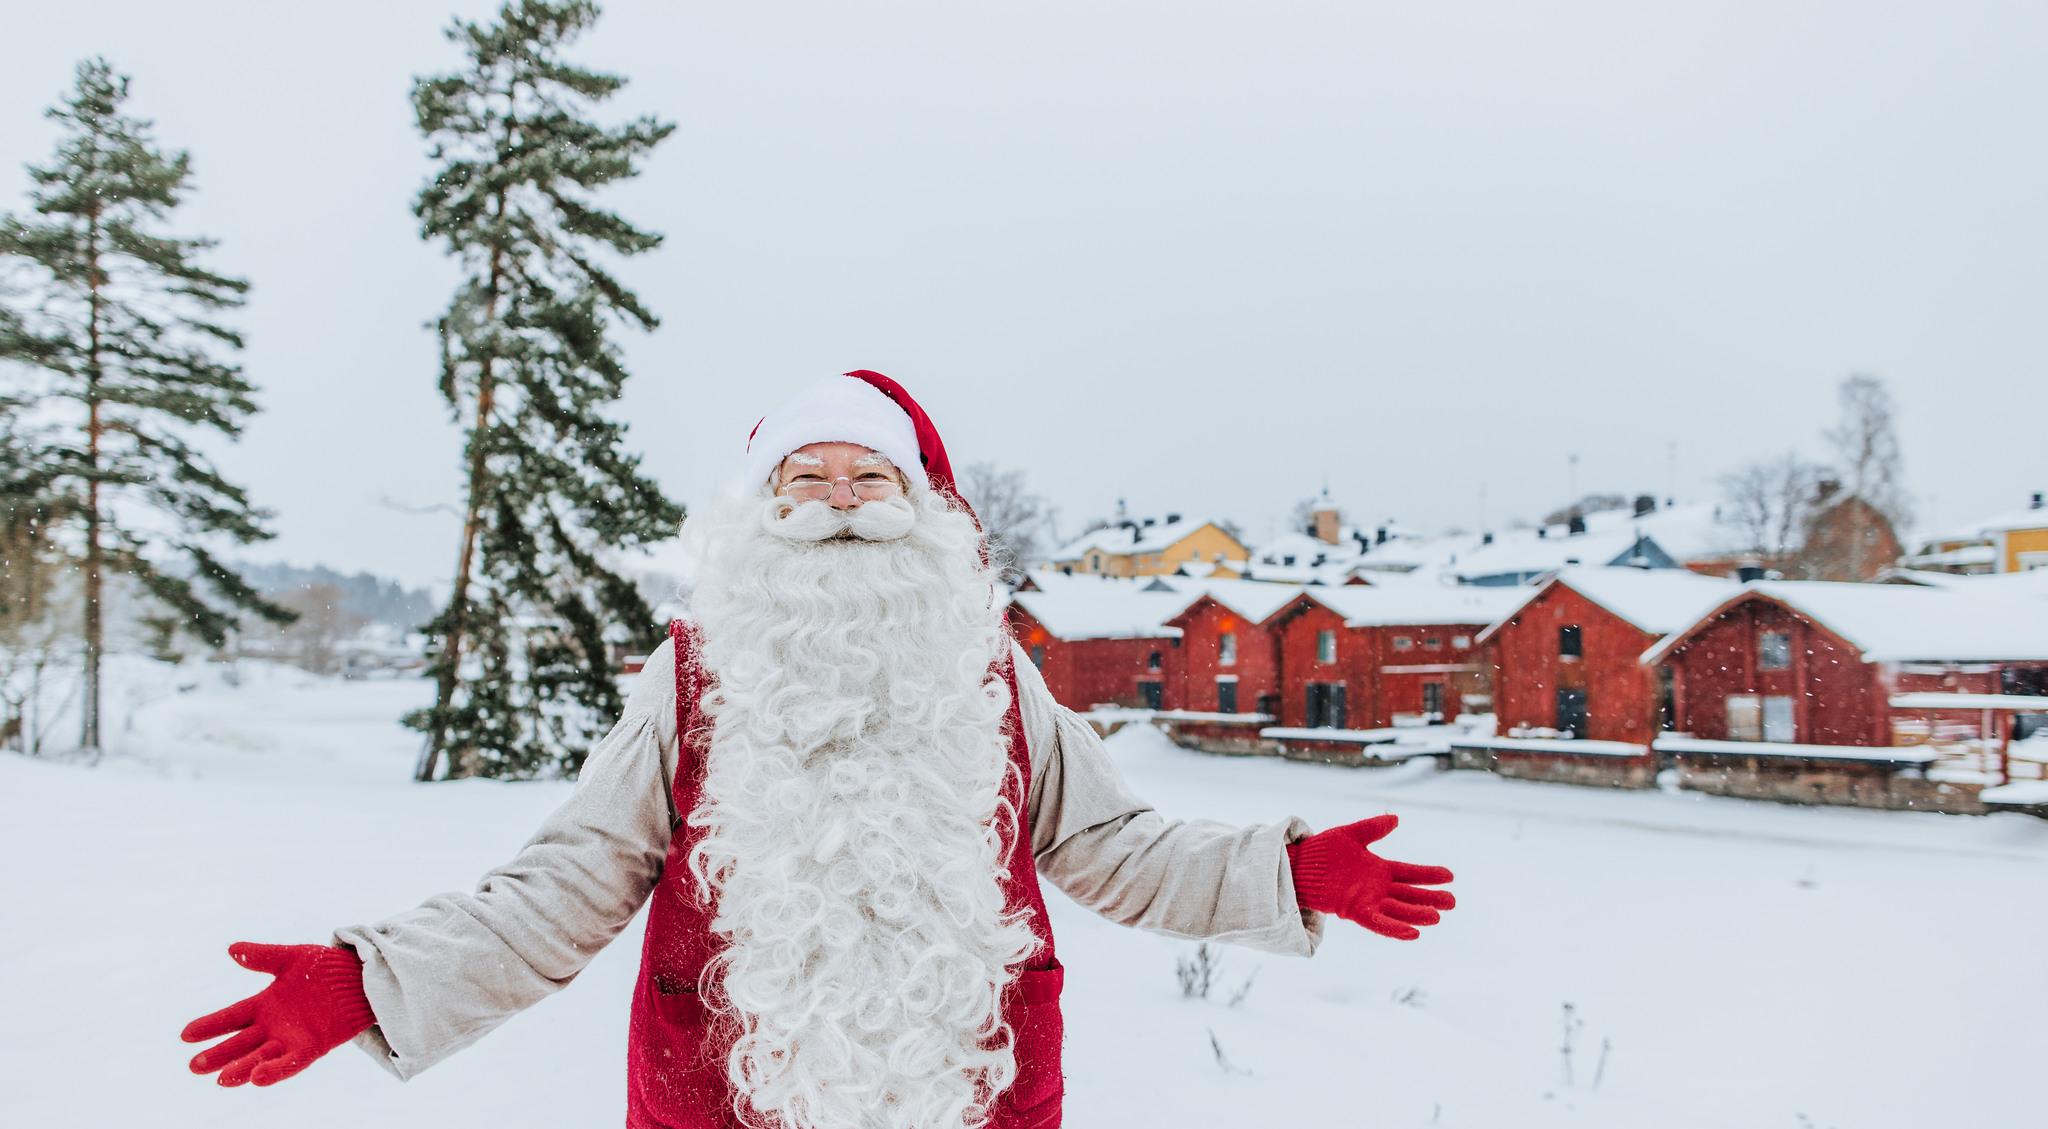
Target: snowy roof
(2031,583)
(1124,540)
(1113,611)
(1255,600)
(1524,552)
(1901,622)
(1417,604)
(2033,517)
(1656,600)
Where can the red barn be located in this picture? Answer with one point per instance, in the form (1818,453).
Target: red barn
(1230,657)
(1102,643)
(1815,662)
(1357,657)
(1566,661)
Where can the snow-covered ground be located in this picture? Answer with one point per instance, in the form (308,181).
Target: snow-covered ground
(1739,965)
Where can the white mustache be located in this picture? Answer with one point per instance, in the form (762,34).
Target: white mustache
(888,520)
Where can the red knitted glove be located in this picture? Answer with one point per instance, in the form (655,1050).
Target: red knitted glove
(1335,872)
(315,1005)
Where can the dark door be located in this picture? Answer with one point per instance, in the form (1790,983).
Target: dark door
(1226,697)
(1433,700)
(1571,712)
(1154,692)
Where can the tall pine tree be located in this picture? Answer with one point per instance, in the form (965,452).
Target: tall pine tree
(524,678)
(114,326)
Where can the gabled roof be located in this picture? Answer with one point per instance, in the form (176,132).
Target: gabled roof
(1522,552)
(1123,541)
(1899,622)
(1982,530)
(1117,611)
(1254,600)
(1417,604)
(1653,600)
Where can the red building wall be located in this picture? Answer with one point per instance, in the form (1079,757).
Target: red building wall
(1257,668)
(1087,672)
(1622,696)
(1837,698)
(1380,680)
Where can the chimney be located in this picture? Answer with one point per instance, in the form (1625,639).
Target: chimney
(1646,504)
(1748,571)
(1323,526)
(1828,488)
(1148,523)
(1486,538)
(1379,536)
(1542,533)
(1172,518)
(1137,534)
(1576,526)
(2040,501)
(1364,542)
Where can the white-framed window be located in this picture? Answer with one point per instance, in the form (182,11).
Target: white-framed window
(1326,646)
(1226,648)
(1433,643)
(1403,642)
(1461,642)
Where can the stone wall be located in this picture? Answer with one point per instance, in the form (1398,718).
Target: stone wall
(1793,781)
(1587,772)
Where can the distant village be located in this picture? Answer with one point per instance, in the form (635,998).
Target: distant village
(1615,649)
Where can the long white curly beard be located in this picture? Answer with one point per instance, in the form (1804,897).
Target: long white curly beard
(854,832)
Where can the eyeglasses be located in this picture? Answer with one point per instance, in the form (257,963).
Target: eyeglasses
(819,489)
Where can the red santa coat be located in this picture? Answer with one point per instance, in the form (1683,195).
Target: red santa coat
(677,1048)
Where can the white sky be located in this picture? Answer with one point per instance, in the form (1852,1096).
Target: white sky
(1197,254)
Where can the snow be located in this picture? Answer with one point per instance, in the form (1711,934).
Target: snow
(1655,600)
(1880,753)
(1123,540)
(1904,622)
(1104,611)
(1558,745)
(1748,964)
(2019,793)
(1253,600)
(1418,604)
(1939,701)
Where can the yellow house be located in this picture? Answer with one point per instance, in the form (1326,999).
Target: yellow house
(2014,542)
(2021,539)
(1148,547)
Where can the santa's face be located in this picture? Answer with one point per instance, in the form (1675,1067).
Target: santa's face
(854,830)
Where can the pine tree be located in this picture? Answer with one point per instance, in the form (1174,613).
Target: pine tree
(117,329)
(524,676)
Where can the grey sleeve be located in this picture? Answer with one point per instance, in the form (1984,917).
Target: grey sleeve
(444,974)
(1110,851)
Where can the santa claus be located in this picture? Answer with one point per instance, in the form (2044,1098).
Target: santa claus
(838,782)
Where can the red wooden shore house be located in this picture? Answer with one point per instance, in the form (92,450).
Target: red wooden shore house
(1362,657)
(1102,643)
(1566,661)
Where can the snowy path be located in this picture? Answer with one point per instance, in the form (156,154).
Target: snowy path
(1747,965)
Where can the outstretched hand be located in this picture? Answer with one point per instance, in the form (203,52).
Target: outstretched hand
(1335,871)
(315,1005)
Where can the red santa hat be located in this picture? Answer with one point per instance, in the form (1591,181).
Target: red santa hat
(858,407)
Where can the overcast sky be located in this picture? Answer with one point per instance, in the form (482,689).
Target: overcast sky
(1200,255)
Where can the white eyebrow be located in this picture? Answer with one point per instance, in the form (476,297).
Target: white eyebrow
(802,458)
(875,458)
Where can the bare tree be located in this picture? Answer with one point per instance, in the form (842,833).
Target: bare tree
(1866,446)
(313,641)
(1768,501)
(1017,521)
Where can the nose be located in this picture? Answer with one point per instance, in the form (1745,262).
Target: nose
(842,495)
